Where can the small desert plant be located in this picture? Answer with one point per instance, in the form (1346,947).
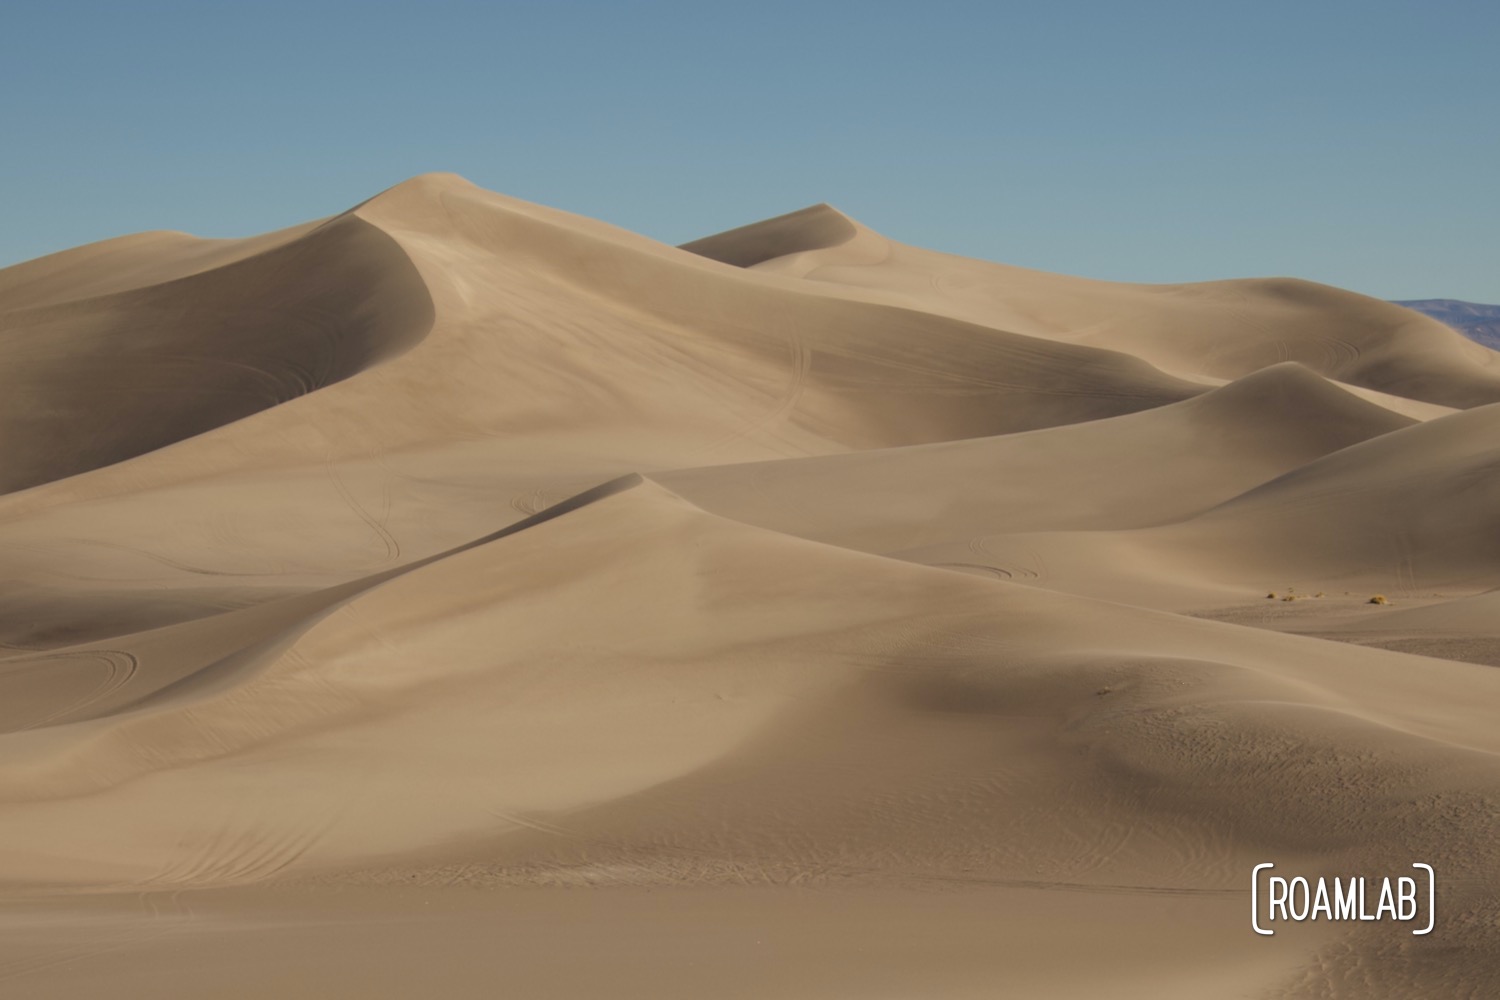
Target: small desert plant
(1271,596)
(1318,594)
(1290,597)
(1379,599)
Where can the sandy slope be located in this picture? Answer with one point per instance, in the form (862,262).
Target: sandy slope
(794,613)
(1414,513)
(1153,467)
(1222,329)
(189,343)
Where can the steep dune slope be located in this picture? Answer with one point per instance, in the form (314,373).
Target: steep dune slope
(560,352)
(109,374)
(813,228)
(1220,329)
(130,262)
(1131,471)
(1419,508)
(572,334)
(1414,512)
(828,367)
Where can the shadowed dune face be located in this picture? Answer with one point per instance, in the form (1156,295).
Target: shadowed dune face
(97,379)
(772,367)
(1411,514)
(1154,467)
(404,578)
(1217,329)
(814,228)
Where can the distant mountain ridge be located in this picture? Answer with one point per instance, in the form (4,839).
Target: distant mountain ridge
(1477,322)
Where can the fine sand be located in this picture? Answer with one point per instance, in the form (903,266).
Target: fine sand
(460,598)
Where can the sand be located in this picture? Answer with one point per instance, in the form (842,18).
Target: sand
(458,597)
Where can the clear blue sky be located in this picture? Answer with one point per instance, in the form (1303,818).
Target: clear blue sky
(1356,143)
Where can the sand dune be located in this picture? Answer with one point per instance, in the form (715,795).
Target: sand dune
(1476,615)
(125,368)
(458,592)
(561,352)
(1409,514)
(1141,469)
(1217,329)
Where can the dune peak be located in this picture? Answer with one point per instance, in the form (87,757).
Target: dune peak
(418,188)
(1277,384)
(455,545)
(816,227)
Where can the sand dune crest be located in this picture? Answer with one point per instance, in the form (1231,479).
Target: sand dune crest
(460,577)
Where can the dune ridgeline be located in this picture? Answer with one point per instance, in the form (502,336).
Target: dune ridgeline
(456,592)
